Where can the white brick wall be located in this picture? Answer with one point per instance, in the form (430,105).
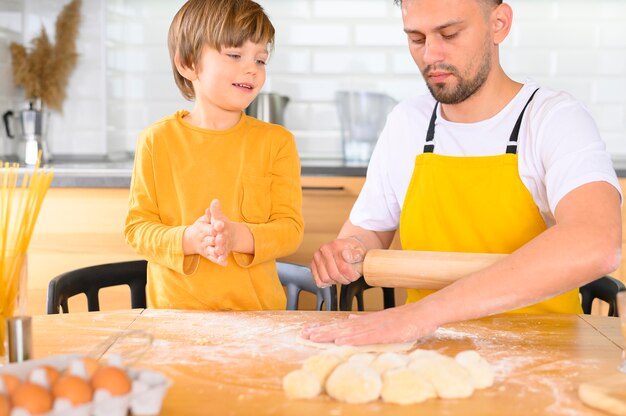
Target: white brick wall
(123,81)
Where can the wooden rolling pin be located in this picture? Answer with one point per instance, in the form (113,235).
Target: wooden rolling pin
(422,269)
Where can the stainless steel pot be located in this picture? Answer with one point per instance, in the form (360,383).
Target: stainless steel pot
(269,107)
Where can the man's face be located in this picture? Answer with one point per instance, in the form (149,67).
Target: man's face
(450,42)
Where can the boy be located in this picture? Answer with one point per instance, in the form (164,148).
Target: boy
(215,196)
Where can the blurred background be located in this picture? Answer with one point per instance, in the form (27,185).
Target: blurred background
(123,80)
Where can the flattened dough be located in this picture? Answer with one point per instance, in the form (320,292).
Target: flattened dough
(397,347)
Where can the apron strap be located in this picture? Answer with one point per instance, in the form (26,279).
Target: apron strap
(512,147)
(429,146)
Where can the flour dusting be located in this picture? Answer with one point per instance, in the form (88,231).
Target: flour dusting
(255,350)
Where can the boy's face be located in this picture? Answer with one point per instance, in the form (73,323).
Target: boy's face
(231,78)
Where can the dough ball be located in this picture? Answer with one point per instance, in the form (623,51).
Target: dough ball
(354,383)
(321,365)
(301,384)
(404,386)
(480,370)
(343,352)
(423,354)
(451,381)
(389,360)
(363,358)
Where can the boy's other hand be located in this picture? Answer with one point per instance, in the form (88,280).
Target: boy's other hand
(196,233)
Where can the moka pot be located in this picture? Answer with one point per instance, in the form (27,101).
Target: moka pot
(29,128)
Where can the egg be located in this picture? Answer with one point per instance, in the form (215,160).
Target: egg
(72,388)
(32,397)
(50,375)
(112,379)
(10,382)
(91,365)
(5,406)
(83,367)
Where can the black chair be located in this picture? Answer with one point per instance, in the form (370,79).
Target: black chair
(89,280)
(605,289)
(297,278)
(355,289)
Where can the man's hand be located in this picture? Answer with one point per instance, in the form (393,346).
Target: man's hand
(400,324)
(340,261)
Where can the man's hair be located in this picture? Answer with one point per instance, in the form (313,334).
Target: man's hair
(217,24)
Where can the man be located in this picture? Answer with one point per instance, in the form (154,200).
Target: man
(485,164)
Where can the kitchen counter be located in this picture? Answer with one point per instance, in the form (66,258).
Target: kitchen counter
(95,173)
(73,172)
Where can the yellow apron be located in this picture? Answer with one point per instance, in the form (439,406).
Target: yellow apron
(476,205)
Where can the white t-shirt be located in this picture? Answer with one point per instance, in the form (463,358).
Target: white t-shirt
(559,149)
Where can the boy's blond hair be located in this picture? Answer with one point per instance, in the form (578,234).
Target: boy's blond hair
(217,24)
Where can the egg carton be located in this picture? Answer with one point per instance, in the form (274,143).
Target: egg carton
(145,398)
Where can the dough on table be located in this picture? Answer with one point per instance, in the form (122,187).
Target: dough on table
(451,381)
(300,384)
(364,358)
(396,347)
(481,371)
(321,365)
(404,386)
(354,383)
(389,360)
(343,351)
(424,355)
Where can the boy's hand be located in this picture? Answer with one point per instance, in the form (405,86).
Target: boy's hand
(196,233)
(219,244)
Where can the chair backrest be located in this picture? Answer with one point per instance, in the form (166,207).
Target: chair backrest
(297,278)
(604,288)
(89,280)
(355,290)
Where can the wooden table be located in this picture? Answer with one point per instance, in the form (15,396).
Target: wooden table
(232,362)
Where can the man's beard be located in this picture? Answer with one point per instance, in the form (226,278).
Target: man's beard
(465,87)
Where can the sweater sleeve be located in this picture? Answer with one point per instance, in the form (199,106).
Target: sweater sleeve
(144,230)
(282,234)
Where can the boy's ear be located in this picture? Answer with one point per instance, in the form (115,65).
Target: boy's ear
(184,70)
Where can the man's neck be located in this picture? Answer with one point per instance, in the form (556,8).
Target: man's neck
(488,101)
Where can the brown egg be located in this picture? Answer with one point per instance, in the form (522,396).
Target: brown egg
(5,406)
(10,382)
(72,388)
(52,374)
(32,397)
(84,367)
(113,379)
(91,365)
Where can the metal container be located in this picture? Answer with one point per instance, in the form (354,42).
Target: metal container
(19,338)
(362,116)
(29,128)
(269,107)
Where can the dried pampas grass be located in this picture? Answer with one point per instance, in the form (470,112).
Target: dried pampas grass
(45,71)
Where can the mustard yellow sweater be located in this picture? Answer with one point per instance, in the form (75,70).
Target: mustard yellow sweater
(254,170)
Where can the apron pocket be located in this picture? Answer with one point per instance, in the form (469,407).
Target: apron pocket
(256,201)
